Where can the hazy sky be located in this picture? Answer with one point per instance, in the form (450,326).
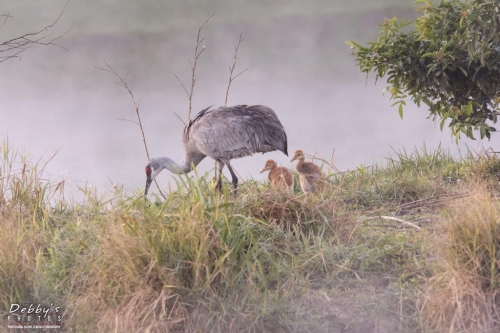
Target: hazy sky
(297,60)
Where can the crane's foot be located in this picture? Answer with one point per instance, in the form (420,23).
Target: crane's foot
(218,187)
(235,189)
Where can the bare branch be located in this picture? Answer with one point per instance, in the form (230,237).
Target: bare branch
(243,71)
(6,17)
(124,119)
(124,83)
(180,119)
(182,84)
(231,68)
(15,46)
(193,66)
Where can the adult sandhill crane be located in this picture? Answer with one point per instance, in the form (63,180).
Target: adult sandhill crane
(310,175)
(223,134)
(278,176)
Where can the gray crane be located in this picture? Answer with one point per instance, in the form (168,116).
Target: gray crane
(223,134)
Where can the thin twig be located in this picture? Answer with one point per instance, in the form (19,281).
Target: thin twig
(231,68)
(180,118)
(394,219)
(124,83)
(197,54)
(320,158)
(124,119)
(6,17)
(20,44)
(182,84)
(193,75)
(187,94)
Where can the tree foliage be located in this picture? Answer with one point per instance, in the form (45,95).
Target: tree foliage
(449,59)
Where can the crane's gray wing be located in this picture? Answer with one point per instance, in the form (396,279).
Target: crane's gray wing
(238,131)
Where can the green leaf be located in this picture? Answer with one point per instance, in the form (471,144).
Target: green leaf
(482,132)
(441,125)
(400,110)
(352,45)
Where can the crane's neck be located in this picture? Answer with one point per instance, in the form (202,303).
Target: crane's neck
(184,166)
(192,157)
(270,174)
(157,164)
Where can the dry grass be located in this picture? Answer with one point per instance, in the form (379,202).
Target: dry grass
(264,260)
(462,296)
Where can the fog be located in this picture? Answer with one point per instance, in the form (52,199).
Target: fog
(298,64)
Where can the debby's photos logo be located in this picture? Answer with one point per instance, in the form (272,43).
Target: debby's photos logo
(33,316)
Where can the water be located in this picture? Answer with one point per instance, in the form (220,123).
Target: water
(297,60)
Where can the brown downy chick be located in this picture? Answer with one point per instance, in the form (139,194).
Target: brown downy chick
(310,175)
(278,176)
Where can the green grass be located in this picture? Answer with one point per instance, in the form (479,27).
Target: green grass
(262,260)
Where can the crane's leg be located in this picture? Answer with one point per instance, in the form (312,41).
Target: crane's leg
(219,166)
(216,171)
(233,176)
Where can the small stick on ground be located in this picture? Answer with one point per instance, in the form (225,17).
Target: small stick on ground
(124,83)
(394,219)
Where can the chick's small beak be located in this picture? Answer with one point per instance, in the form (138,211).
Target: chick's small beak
(294,158)
(265,168)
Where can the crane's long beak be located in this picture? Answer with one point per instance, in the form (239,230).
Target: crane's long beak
(148,182)
(149,179)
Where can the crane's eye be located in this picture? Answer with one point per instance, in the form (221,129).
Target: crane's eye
(148,171)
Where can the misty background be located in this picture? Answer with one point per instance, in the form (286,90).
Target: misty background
(298,64)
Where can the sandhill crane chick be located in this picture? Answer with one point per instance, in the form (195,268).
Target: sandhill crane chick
(223,134)
(278,176)
(310,175)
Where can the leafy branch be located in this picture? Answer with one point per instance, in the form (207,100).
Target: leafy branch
(449,61)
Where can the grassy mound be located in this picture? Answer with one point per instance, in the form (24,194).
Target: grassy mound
(409,246)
